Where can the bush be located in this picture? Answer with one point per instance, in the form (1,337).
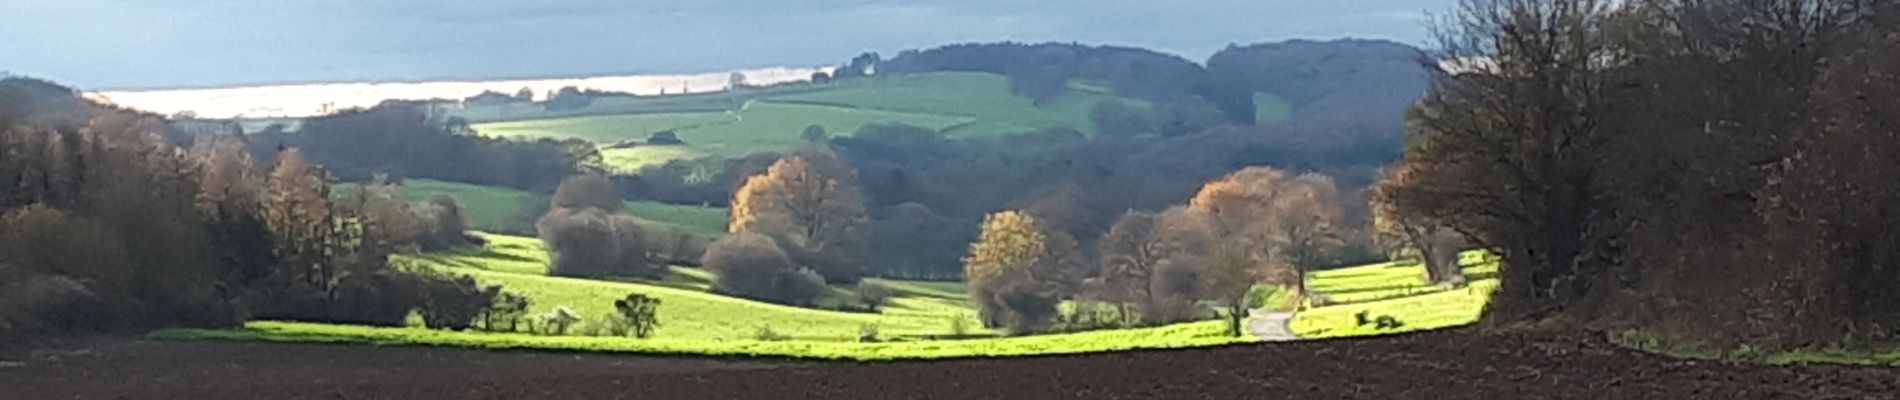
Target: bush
(509,307)
(558,321)
(446,225)
(1089,315)
(1018,304)
(33,303)
(867,333)
(1171,309)
(382,299)
(959,326)
(677,247)
(636,314)
(766,334)
(665,138)
(874,296)
(454,303)
(752,266)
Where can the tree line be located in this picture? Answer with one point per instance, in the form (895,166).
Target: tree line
(1714,170)
(108,225)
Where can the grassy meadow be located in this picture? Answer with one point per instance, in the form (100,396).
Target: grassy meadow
(732,124)
(1395,289)
(925,320)
(492,208)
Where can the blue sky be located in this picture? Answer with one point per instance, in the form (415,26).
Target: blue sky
(97,44)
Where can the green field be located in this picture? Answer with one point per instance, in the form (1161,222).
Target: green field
(491,207)
(1396,289)
(759,126)
(1270,108)
(1194,334)
(728,125)
(918,324)
(985,98)
(520,264)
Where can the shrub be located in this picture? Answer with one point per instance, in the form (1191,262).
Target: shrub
(446,225)
(752,266)
(1089,315)
(867,333)
(766,334)
(581,242)
(874,296)
(1165,310)
(665,138)
(384,298)
(558,321)
(636,314)
(959,326)
(454,303)
(1020,305)
(508,307)
(33,303)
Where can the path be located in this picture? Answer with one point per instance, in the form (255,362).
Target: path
(1271,326)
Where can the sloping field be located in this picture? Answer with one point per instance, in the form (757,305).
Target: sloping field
(492,207)
(688,312)
(983,97)
(1395,290)
(760,126)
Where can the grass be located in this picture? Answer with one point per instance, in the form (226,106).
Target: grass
(1208,333)
(705,102)
(984,98)
(759,126)
(729,125)
(491,207)
(1398,290)
(1270,108)
(918,324)
(603,129)
(1887,355)
(520,264)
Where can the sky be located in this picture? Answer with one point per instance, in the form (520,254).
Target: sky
(123,44)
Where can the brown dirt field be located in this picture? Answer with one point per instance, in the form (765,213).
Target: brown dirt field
(1445,365)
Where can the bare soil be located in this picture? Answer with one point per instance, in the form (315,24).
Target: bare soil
(1444,365)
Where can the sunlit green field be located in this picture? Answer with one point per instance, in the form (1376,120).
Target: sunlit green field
(919,323)
(1194,334)
(1398,290)
(688,311)
(984,97)
(759,126)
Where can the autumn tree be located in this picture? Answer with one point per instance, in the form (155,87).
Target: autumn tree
(1283,223)
(809,203)
(1271,226)
(1014,272)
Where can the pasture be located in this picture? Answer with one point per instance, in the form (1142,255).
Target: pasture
(492,208)
(732,124)
(758,126)
(924,320)
(1397,290)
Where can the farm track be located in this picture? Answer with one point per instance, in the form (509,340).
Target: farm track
(1438,365)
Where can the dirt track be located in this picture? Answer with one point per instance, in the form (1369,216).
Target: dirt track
(1428,366)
